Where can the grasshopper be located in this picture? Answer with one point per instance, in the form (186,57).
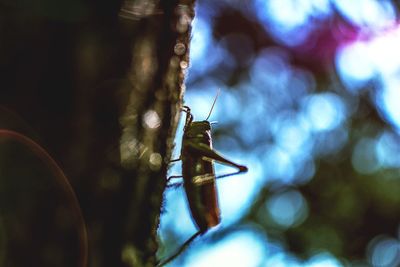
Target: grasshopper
(199,179)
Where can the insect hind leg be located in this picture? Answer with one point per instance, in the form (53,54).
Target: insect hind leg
(231,174)
(174,185)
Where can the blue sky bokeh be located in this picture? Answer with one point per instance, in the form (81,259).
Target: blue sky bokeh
(280,121)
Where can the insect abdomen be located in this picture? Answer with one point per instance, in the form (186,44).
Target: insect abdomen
(201,192)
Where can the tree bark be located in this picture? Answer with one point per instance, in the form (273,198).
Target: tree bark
(148,119)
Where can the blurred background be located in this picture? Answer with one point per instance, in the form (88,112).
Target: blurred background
(310,102)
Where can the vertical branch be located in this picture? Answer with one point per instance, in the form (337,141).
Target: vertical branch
(148,122)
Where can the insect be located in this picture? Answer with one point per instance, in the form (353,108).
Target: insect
(199,179)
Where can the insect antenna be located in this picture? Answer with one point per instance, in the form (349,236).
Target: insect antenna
(212,107)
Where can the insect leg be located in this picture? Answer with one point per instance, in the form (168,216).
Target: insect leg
(209,153)
(174,177)
(228,174)
(185,109)
(175,185)
(182,248)
(189,116)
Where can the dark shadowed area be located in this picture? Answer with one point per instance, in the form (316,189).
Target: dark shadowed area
(90,89)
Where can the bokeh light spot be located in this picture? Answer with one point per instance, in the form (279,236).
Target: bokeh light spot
(354,65)
(151,119)
(279,164)
(384,252)
(291,21)
(288,209)
(388,149)
(364,157)
(382,48)
(325,111)
(291,133)
(155,161)
(371,14)
(179,49)
(323,260)
(361,60)
(288,13)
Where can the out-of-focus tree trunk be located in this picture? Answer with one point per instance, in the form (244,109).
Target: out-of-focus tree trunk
(99,86)
(148,118)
